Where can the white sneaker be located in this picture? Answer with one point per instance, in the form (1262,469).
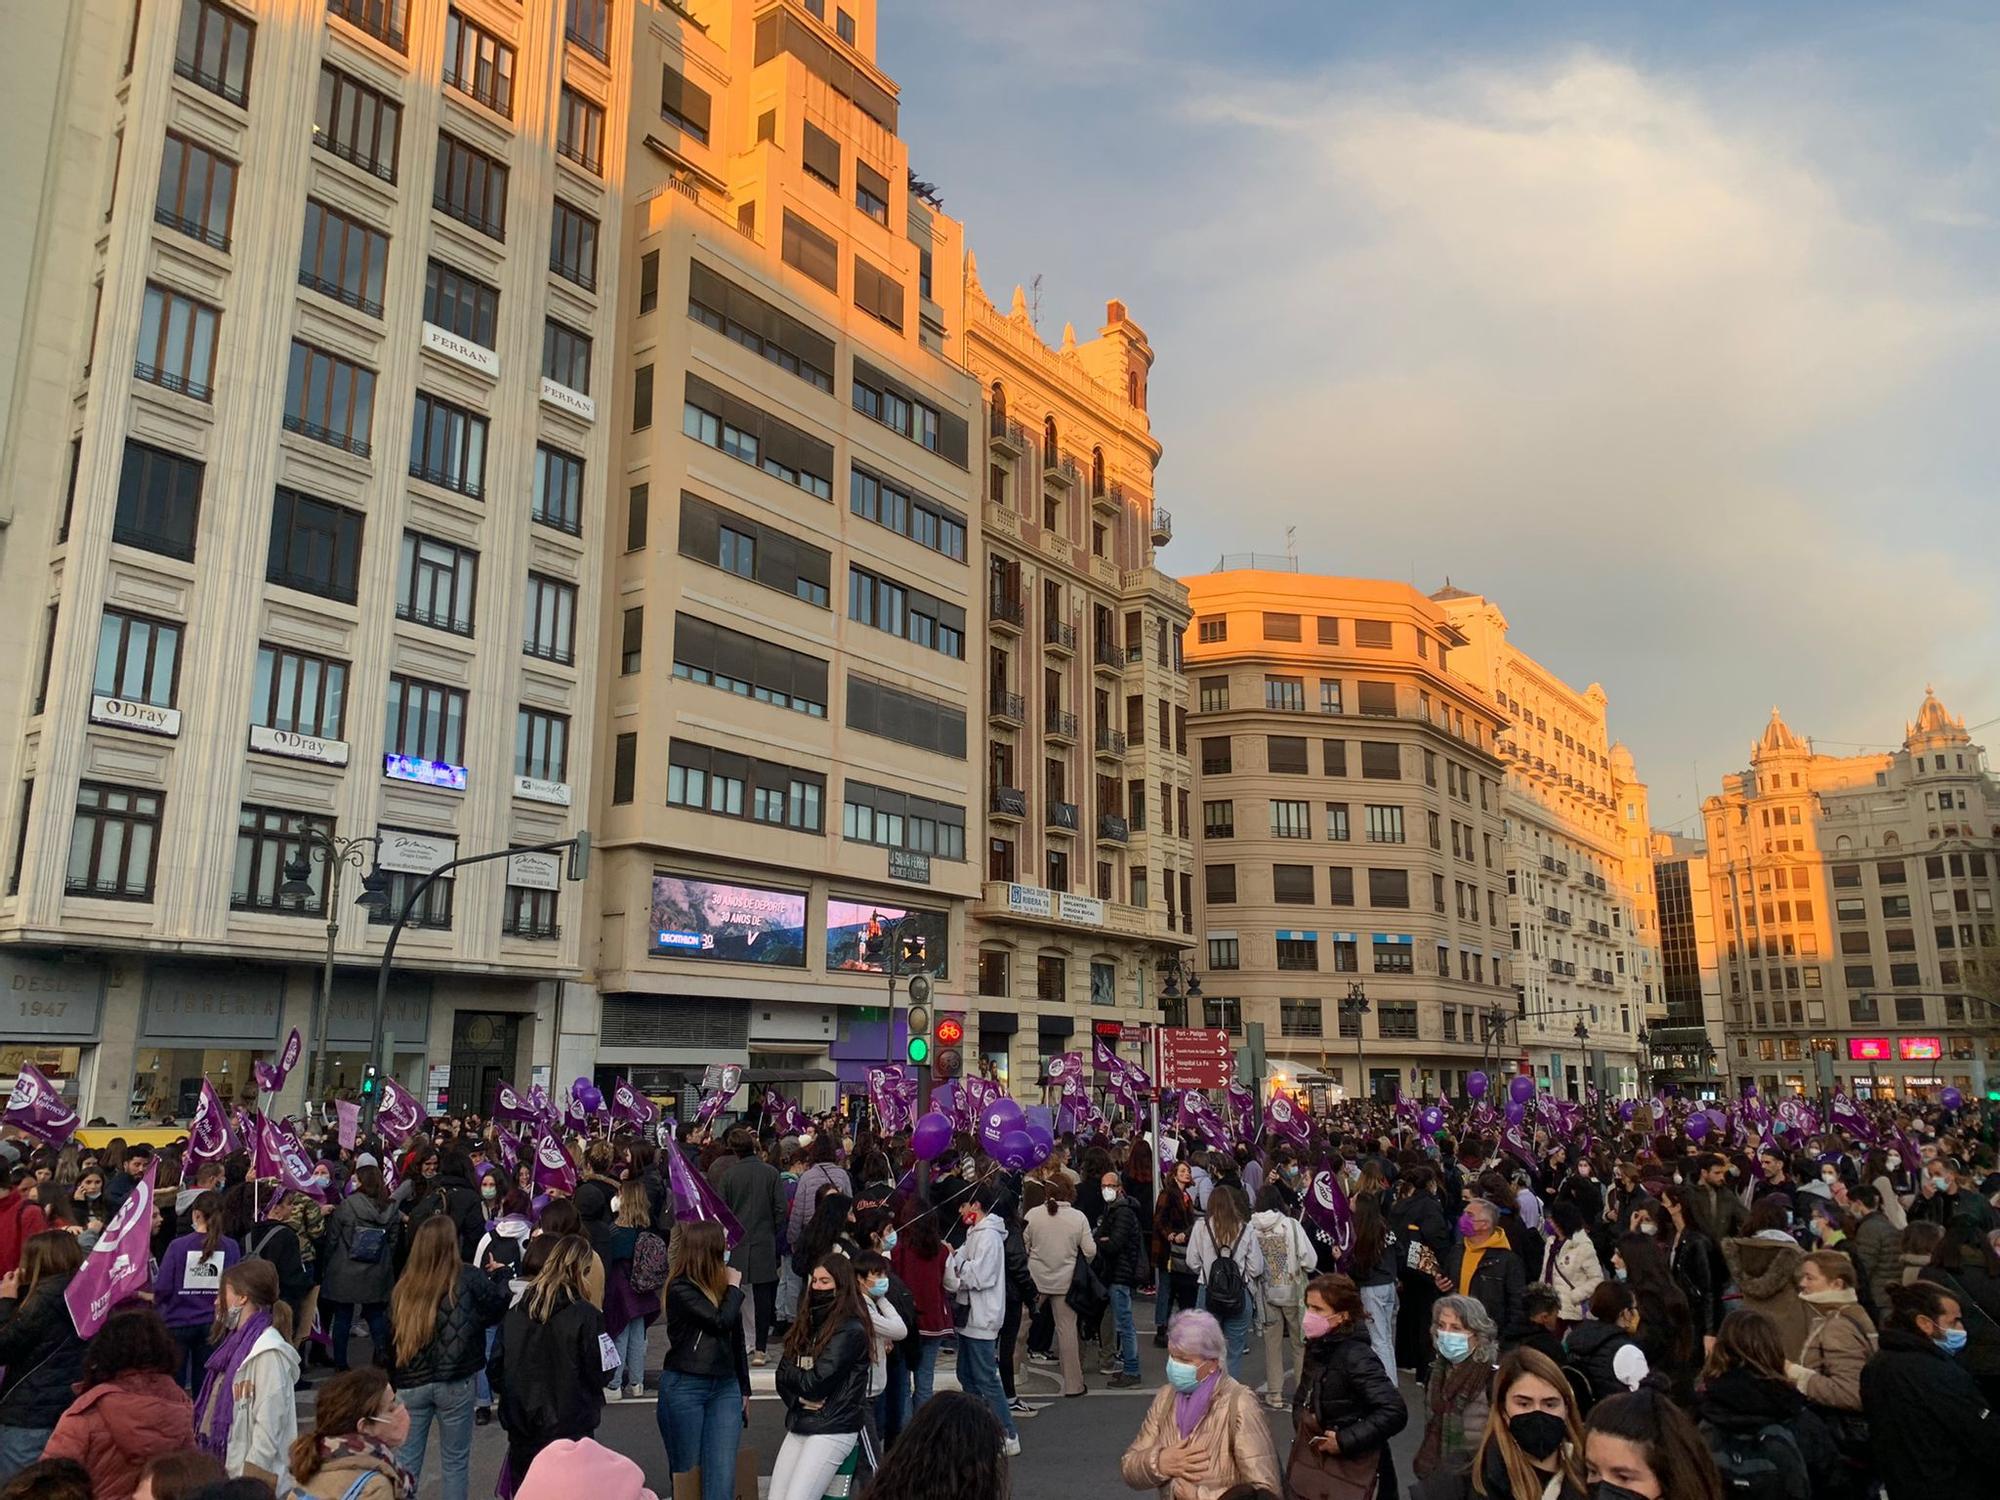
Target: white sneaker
(635,1393)
(613,1395)
(1011,1448)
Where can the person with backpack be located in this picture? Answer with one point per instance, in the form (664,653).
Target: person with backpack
(1289,1263)
(438,1317)
(1644,1445)
(548,1367)
(504,1248)
(359,1423)
(451,1194)
(1228,1265)
(635,1270)
(360,1270)
(1765,1442)
(1604,1355)
(269,1238)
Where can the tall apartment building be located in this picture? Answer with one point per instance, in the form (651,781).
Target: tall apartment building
(791,605)
(304,482)
(1347,777)
(1685,1042)
(1089,869)
(1581,915)
(1855,906)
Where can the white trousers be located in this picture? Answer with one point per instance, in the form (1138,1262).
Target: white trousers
(806,1465)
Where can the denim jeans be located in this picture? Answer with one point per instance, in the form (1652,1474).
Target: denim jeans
(631,1342)
(979,1376)
(1128,1333)
(1380,1303)
(701,1422)
(1235,1332)
(923,1373)
(377,1315)
(482,1387)
(19,1447)
(449,1403)
(192,1341)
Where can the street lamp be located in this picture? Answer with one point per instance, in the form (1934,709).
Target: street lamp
(1178,984)
(334,855)
(1355,1005)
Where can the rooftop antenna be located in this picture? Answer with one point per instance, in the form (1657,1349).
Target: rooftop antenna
(1035,302)
(1292,546)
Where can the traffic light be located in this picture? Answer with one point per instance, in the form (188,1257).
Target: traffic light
(920,1042)
(948,1059)
(368,1083)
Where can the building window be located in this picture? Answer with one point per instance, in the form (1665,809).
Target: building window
(551,620)
(806,250)
(900,610)
(1393,1019)
(1291,820)
(460,304)
(1223,953)
(1219,883)
(1336,822)
(114,843)
(343,258)
(176,343)
(921,520)
(566,356)
(268,839)
(580,131)
(684,106)
(1299,1018)
(638,501)
(1214,628)
(448,446)
(1285,694)
(558,494)
(624,768)
(530,913)
(478,64)
(909,718)
(138,659)
(471,187)
(1381,762)
(588,24)
(1051,977)
(382,19)
(843,25)
(357,123)
(1292,885)
(329,399)
(741,786)
(642,398)
(1389,888)
(877,396)
(1329,695)
(820,157)
(1218,820)
(1215,758)
(881,297)
(1299,953)
(436,583)
(541,745)
(315,546)
(871,193)
(1214,695)
(296,692)
(1385,824)
(993,976)
(716,419)
(1281,627)
(1223,1013)
(197,193)
(1376,699)
(1285,754)
(426,720)
(573,246)
(159,501)
(749,320)
(432,911)
(767,555)
(716,656)
(1394,958)
(213,48)
(1374,634)
(632,634)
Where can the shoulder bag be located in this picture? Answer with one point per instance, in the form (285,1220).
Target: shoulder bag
(1312,1474)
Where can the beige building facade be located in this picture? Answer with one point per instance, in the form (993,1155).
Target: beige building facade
(1350,832)
(304,474)
(1583,926)
(1854,904)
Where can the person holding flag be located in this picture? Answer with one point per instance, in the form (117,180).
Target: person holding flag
(39,1348)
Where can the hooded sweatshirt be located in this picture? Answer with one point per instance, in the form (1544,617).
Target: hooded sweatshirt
(116,1428)
(504,1242)
(1766,1272)
(977,1272)
(567,1468)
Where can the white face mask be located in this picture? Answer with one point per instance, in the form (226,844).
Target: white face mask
(614,1203)
(1649,1227)
(1895,1161)
(1110,1195)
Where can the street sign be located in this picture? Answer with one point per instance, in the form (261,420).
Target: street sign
(1192,1057)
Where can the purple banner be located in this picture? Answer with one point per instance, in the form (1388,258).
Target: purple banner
(631,1106)
(1327,1207)
(279,1155)
(1284,1118)
(554,1171)
(348,1114)
(892,1094)
(399,1116)
(695,1200)
(508,1146)
(1198,1115)
(36,1108)
(209,1135)
(118,1265)
(271,1076)
(513,1108)
(1844,1113)
(790,1119)
(1243,1114)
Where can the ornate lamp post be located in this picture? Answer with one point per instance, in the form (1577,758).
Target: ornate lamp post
(334,855)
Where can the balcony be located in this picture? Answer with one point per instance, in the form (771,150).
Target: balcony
(1007,802)
(1107,655)
(1163,526)
(1061,470)
(1111,742)
(1060,634)
(1010,708)
(1110,500)
(1062,815)
(1112,827)
(1549,863)
(1060,724)
(1005,611)
(1560,966)
(1005,437)
(173,380)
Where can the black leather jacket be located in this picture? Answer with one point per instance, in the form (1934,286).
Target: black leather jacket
(458,1347)
(838,1380)
(1694,1268)
(706,1338)
(1344,1385)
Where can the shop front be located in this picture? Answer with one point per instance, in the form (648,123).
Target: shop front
(51,1013)
(351,1026)
(203,1021)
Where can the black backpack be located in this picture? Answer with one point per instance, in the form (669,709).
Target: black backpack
(1761,1465)
(1228,1295)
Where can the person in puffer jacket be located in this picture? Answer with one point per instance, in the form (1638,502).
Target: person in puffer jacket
(131,1410)
(438,1317)
(39,1347)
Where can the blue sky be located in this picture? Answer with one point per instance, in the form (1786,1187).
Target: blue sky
(1673,329)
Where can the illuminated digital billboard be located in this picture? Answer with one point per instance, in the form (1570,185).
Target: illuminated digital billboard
(730,923)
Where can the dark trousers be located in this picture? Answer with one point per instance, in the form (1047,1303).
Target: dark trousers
(1413,1323)
(1042,1327)
(377,1316)
(193,1342)
(1010,1329)
(765,1294)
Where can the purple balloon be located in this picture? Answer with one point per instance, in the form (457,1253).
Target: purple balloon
(932,1137)
(1951,1098)
(1628,1109)
(1017,1151)
(1001,1116)
(1696,1127)
(1520,1088)
(1043,1137)
(1516,1111)
(1431,1121)
(1475,1085)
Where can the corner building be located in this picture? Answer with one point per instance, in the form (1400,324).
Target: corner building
(1854,904)
(304,476)
(1349,829)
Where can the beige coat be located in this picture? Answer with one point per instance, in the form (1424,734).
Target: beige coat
(1840,1342)
(1573,1272)
(1232,1445)
(1053,1241)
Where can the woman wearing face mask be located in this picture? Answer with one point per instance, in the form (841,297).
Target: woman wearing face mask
(1347,1408)
(1056,1233)
(1532,1448)
(1642,1447)
(245,1413)
(1932,1431)
(823,1379)
(190,1276)
(705,1384)
(1691,1259)
(1883,1171)
(1666,1323)
(891,1324)
(1455,1400)
(1204,1433)
(1571,1269)
(359,1423)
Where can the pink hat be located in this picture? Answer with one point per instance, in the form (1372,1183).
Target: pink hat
(566,1469)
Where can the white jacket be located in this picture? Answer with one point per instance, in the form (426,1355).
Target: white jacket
(1246,1252)
(1269,1226)
(266,1419)
(977,1273)
(889,1328)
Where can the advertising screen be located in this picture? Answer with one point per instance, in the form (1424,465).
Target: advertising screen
(857,936)
(731,923)
(1919,1048)
(1868,1049)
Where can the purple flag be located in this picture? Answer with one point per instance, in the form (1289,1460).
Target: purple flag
(209,1135)
(509,1149)
(1514,1141)
(36,1108)
(1064,1066)
(271,1076)
(631,1106)
(695,1200)
(554,1171)
(790,1118)
(278,1154)
(513,1108)
(1243,1112)
(117,1266)
(1284,1118)
(892,1094)
(399,1116)
(1197,1115)
(348,1114)
(1327,1207)
(1845,1113)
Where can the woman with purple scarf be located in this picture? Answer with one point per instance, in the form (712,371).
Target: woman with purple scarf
(1205,1433)
(246,1414)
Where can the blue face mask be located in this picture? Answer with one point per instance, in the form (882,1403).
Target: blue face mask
(1181,1375)
(1951,1340)
(888,1242)
(879,1287)
(1454,1346)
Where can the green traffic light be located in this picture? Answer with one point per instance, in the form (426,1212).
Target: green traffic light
(920,1049)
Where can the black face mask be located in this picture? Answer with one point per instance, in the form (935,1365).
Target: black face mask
(1540,1433)
(1604,1489)
(821,1303)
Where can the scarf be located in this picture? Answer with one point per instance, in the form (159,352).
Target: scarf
(217,1405)
(1475,1251)
(354,1444)
(1191,1406)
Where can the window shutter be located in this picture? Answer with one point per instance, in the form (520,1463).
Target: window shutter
(822,154)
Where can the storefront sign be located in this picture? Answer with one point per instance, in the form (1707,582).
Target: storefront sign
(424,772)
(414,853)
(531,790)
(406,1012)
(125,714)
(221,1003)
(535,870)
(298,746)
(464,351)
(1060,906)
(905,864)
(562,398)
(47,998)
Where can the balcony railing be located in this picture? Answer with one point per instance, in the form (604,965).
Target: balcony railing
(1010,706)
(164,543)
(1059,633)
(194,229)
(1062,815)
(555,651)
(573,152)
(1007,801)
(1061,724)
(215,83)
(171,380)
(340,293)
(381,19)
(1107,654)
(1007,434)
(446,479)
(359,447)
(1163,526)
(1005,609)
(1111,826)
(487,93)
(1111,742)
(468,215)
